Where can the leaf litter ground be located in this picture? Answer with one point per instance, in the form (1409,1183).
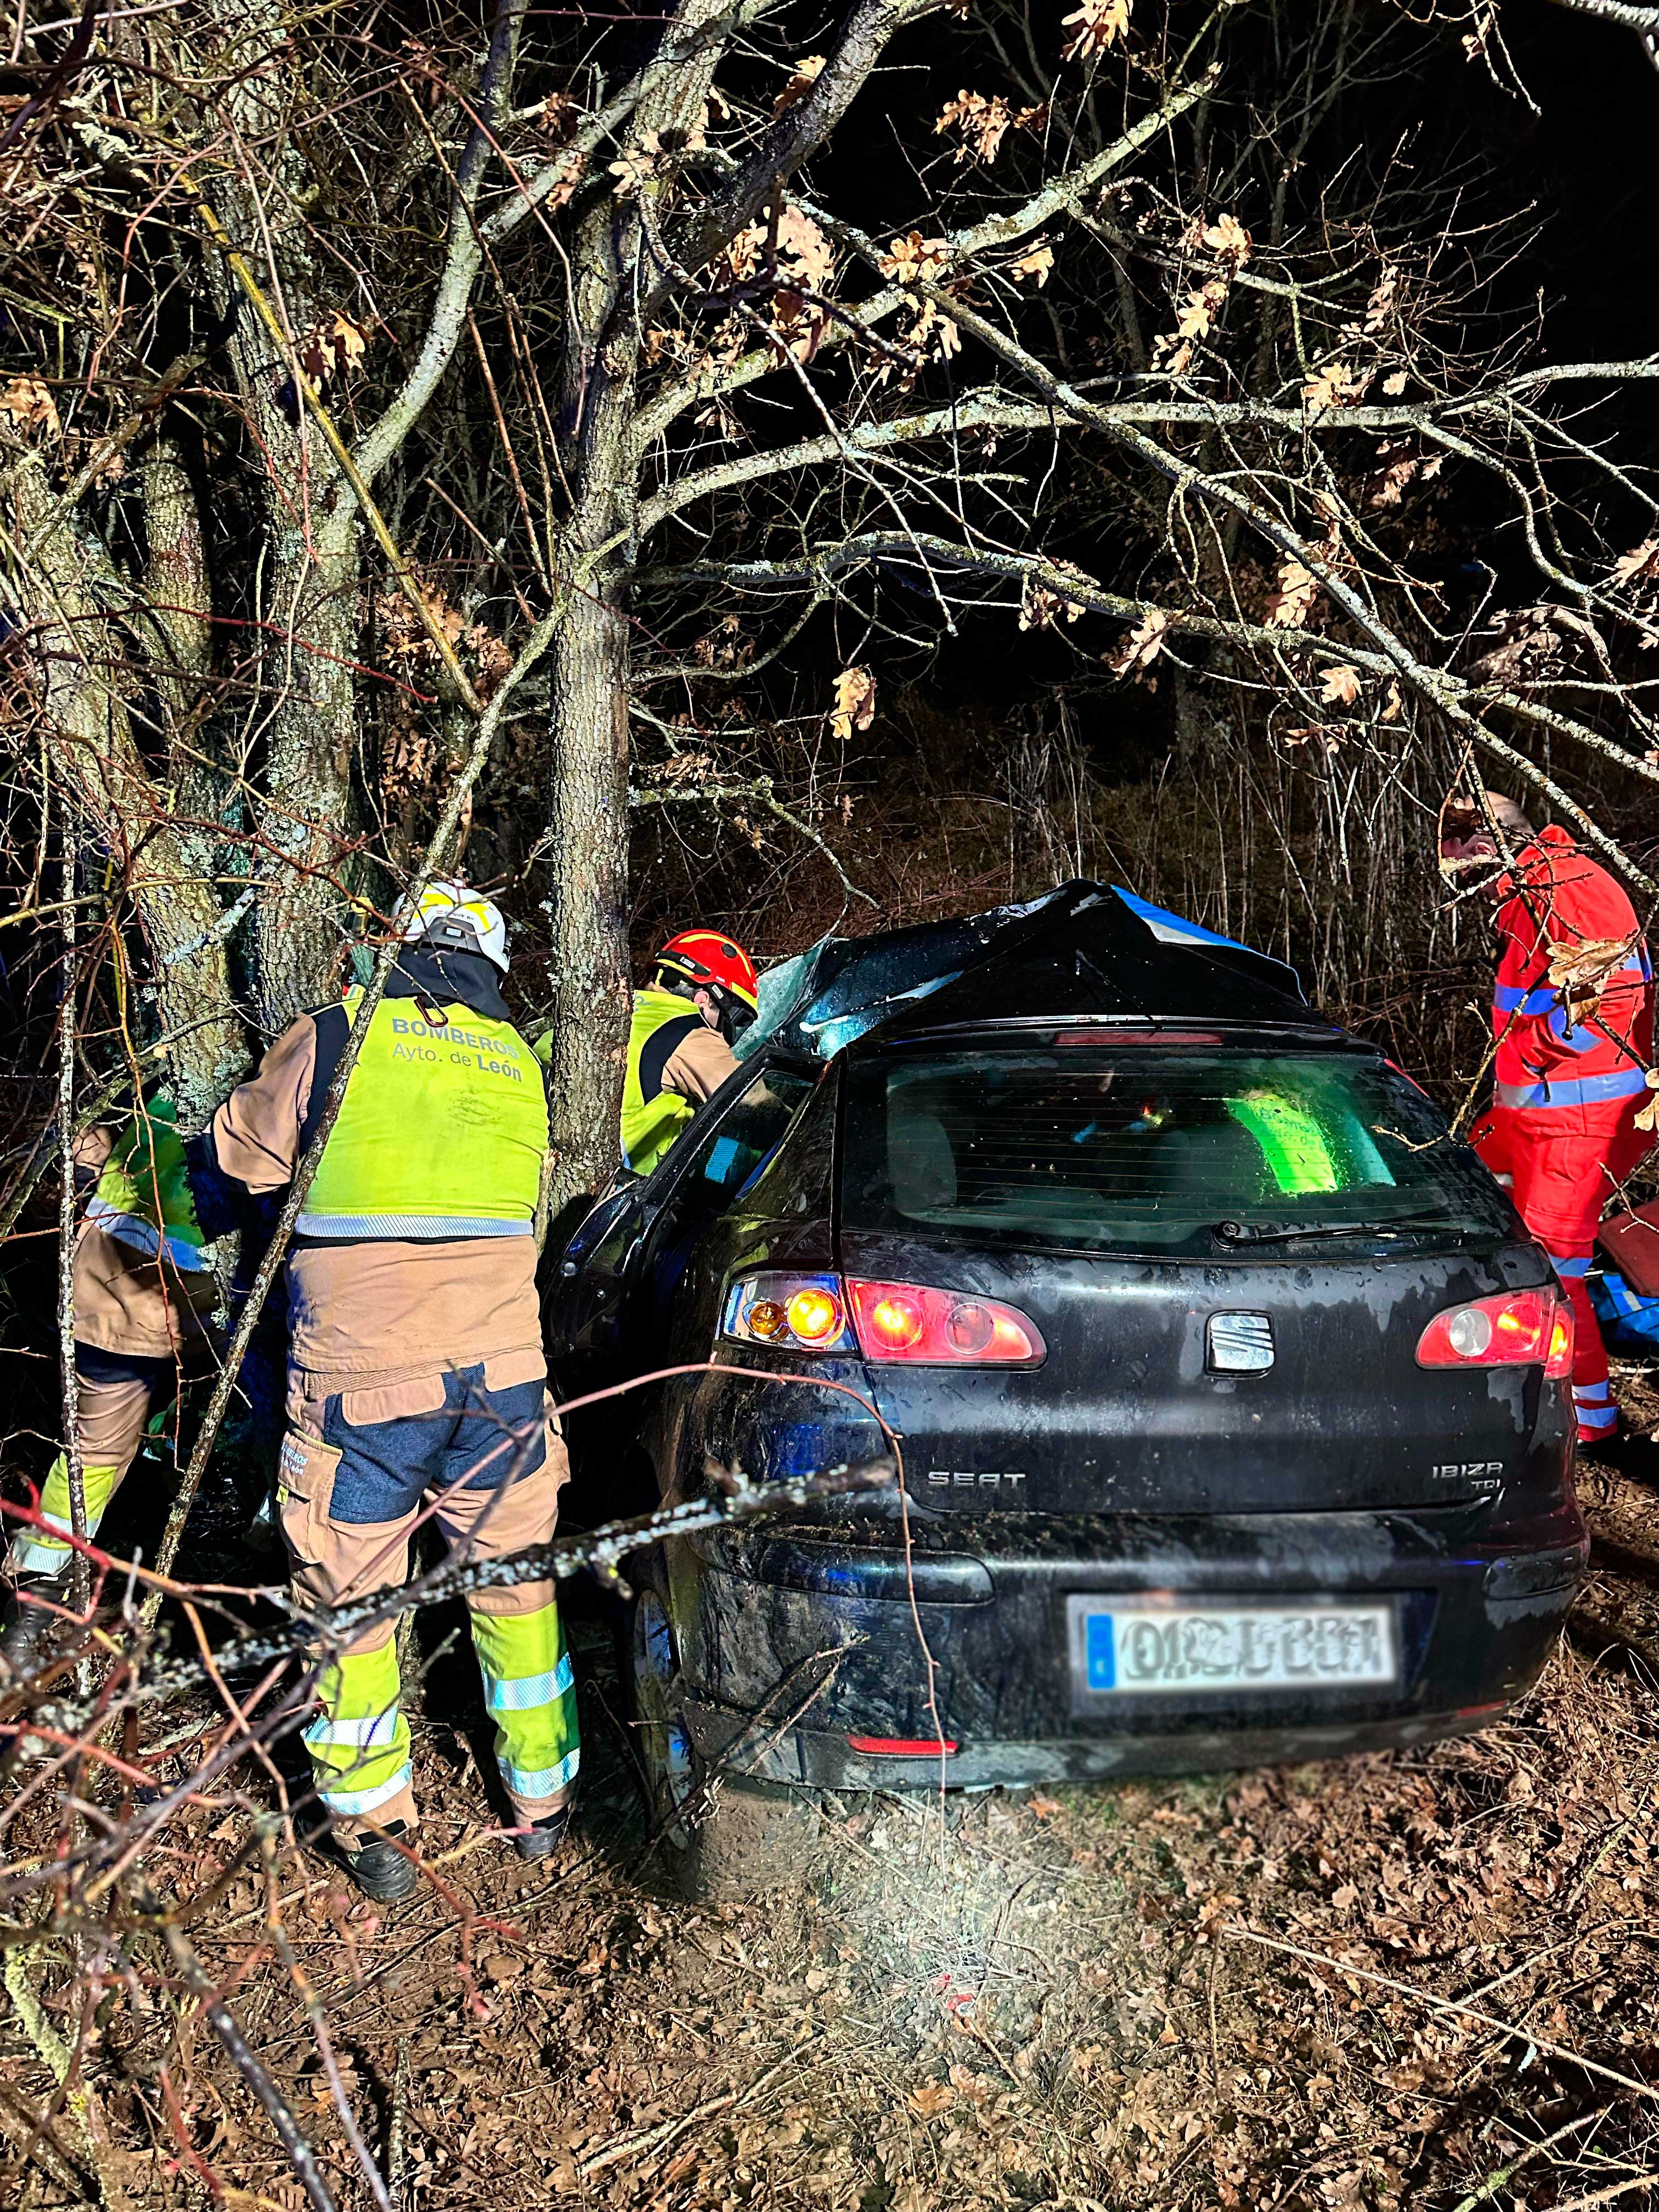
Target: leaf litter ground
(1061,1999)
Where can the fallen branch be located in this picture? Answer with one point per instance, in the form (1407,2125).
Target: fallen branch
(1550,2049)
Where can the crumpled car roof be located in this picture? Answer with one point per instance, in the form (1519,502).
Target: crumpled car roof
(1084,948)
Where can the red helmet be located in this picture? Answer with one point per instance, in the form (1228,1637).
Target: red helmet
(703,956)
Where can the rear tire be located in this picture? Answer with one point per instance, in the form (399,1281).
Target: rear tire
(717,1840)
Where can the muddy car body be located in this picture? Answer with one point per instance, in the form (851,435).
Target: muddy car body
(1231,1395)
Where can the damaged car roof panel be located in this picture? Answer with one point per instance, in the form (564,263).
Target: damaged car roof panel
(1087,949)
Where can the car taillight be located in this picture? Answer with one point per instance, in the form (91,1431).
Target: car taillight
(1518,1328)
(893,1320)
(941,1328)
(802,1313)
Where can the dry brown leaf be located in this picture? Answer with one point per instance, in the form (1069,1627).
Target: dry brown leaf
(1038,607)
(1335,384)
(1201,309)
(1226,235)
(559,116)
(1638,566)
(1037,260)
(1341,685)
(856,702)
(808,70)
(1142,646)
(913,255)
(982,123)
(572,170)
(1582,972)
(1296,589)
(332,347)
(638,165)
(1099,23)
(933,2097)
(1395,385)
(30,404)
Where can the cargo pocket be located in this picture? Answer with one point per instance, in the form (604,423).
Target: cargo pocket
(305,1484)
(506,1370)
(393,1401)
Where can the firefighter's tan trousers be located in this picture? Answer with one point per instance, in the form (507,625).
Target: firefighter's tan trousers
(112,1419)
(358,1472)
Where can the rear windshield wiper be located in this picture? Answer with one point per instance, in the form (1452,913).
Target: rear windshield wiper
(1279,1232)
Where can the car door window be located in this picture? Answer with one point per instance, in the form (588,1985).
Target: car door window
(712,1167)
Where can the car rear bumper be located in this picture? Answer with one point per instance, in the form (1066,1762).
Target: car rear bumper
(793,1642)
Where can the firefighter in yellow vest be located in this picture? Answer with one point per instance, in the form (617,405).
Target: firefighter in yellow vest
(143,1287)
(415,1374)
(703,994)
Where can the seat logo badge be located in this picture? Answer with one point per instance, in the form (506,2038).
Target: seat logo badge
(962,1478)
(1239,1344)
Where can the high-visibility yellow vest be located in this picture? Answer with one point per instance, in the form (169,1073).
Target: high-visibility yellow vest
(651,1117)
(143,1197)
(1293,1143)
(441,1132)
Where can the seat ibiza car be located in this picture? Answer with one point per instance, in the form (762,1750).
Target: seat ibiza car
(1231,1398)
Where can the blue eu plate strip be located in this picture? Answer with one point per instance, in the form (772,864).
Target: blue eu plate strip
(1098,1653)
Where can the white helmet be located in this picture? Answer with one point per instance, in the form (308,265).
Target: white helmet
(451,918)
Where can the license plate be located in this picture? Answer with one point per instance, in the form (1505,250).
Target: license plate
(1140,1647)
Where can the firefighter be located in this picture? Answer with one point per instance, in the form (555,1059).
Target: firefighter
(415,1373)
(1572,1054)
(143,1288)
(703,993)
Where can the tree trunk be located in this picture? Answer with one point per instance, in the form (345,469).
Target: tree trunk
(308,599)
(587,807)
(166,869)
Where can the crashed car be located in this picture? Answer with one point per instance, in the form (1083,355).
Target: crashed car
(1231,1398)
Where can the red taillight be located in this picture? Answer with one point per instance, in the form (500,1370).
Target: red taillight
(941,1328)
(1518,1328)
(903,1747)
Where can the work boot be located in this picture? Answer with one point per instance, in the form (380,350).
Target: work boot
(28,1630)
(378,1867)
(541,1838)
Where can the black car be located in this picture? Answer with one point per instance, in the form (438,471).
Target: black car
(1233,1401)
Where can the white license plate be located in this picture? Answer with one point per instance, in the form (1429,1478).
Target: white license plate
(1138,1647)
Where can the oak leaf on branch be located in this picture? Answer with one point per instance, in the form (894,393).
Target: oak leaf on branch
(1099,24)
(1582,972)
(1137,651)
(1341,685)
(1037,260)
(856,702)
(807,72)
(1639,566)
(1228,237)
(982,122)
(638,165)
(1296,590)
(332,347)
(1038,605)
(30,404)
(1335,384)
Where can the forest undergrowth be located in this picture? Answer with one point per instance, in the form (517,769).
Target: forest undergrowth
(1424,1979)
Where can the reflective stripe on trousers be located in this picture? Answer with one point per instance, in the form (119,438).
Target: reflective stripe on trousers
(359,1744)
(1592,1397)
(32,1550)
(530,1692)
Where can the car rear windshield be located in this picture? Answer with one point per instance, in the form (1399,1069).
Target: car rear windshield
(1170,1150)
